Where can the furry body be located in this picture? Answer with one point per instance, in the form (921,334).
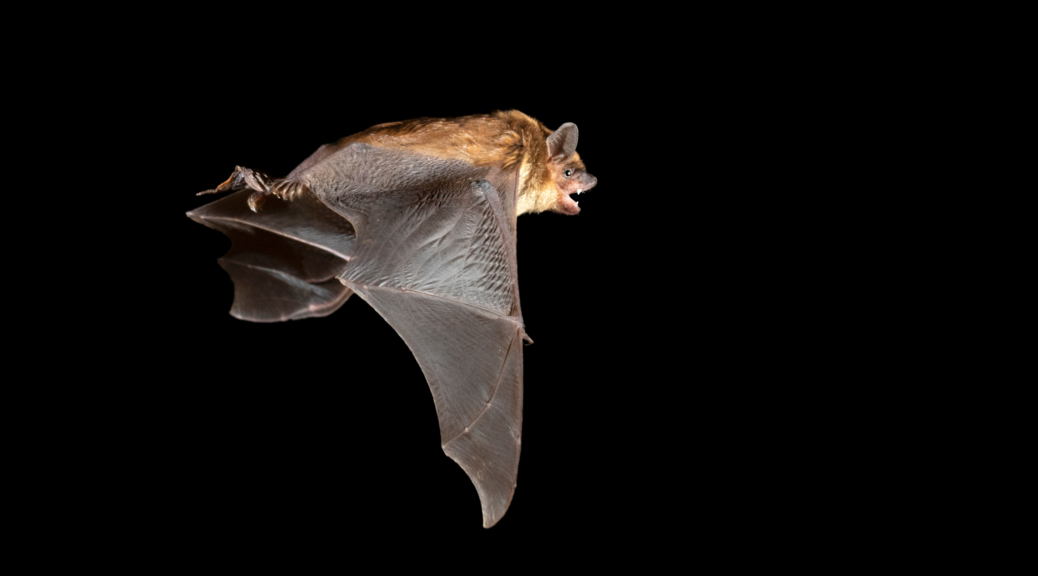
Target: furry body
(502,139)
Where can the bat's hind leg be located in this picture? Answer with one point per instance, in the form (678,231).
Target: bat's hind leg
(264,186)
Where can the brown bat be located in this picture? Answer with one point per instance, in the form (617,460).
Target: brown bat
(417,218)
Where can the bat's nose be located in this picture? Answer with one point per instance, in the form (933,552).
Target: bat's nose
(590,182)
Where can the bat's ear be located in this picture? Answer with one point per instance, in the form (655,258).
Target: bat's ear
(563,143)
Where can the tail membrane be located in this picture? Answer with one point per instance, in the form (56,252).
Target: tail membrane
(283,259)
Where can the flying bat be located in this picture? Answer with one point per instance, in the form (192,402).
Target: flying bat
(418,218)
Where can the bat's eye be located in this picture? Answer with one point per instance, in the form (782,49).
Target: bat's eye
(568,173)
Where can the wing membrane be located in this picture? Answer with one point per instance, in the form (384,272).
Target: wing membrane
(283,259)
(434,255)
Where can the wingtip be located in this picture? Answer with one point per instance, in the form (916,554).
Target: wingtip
(490,517)
(491,520)
(492,514)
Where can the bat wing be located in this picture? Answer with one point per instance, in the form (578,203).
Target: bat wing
(283,259)
(435,256)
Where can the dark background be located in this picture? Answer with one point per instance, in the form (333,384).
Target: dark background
(644,417)
(712,335)
(327,424)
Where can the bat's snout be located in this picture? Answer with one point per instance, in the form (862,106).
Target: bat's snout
(583,183)
(590,182)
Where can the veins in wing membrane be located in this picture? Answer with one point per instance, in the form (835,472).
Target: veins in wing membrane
(490,399)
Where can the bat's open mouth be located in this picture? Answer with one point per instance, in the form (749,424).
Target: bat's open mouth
(570,206)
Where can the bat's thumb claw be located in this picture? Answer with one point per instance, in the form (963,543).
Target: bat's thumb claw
(256,200)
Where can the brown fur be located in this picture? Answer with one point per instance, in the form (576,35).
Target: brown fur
(502,139)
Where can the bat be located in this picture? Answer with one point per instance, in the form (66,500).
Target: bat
(418,218)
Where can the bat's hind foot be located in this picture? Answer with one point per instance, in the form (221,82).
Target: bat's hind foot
(264,187)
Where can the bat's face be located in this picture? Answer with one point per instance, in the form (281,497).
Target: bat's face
(570,177)
(550,182)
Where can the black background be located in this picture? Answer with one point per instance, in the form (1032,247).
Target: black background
(701,355)
(327,425)
(642,410)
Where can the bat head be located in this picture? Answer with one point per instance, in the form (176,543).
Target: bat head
(568,174)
